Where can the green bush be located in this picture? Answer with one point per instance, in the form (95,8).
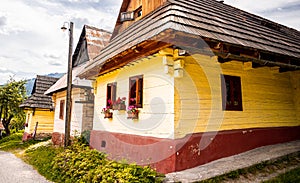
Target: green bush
(84,138)
(81,164)
(17,123)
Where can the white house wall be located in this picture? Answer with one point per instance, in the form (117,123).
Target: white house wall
(156,118)
(76,118)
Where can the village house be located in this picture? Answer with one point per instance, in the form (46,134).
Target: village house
(91,41)
(200,80)
(39,109)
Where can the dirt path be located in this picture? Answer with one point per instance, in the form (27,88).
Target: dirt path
(14,170)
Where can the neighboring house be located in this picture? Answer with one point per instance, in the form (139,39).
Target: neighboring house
(209,81)
(39,108)
(91,41)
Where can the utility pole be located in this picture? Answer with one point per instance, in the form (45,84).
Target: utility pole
(69,87)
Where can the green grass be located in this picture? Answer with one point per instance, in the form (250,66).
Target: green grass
(41,158)
(267,167)
(292,176)
(13,143)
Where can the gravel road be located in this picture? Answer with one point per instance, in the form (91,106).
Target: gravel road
(14,170)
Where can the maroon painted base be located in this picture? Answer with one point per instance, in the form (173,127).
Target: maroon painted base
(167,155)
(26,136)
(38,136)
(58,138)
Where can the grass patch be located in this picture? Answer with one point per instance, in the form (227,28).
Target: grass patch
(288,177)
(41,158)
(263,167)
(13,143)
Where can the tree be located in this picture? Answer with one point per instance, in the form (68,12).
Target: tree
(12,95)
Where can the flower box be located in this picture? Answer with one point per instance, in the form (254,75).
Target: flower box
(133,112)
(108,112)
(119,107)
(119,104)
(108,115)
(133,115)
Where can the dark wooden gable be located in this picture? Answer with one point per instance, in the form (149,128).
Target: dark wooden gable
(38,99)
(92,40)
(134,10)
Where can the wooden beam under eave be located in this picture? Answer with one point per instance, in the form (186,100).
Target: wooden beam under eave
(258,62)
(247,66)
(149,49)
(166,52)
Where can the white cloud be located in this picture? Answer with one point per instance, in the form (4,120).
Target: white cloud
(34,43)
(285,12)
(259,5)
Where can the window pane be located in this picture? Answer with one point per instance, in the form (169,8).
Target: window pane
(108,96)
(140,92)
(61,109)
(111,94)
(136,91)
(233,98)
(228,93)
(132,99)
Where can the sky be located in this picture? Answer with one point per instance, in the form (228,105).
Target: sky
(32,42)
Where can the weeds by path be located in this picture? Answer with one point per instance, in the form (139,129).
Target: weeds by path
(263,171)
(290,176)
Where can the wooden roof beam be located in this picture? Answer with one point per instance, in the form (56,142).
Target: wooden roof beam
(261,62)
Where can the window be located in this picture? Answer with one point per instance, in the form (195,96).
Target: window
(61,109)
(232,93)
(28,118)
(131,15)
(136,91)
(111,94)
(138,12)
(126,16)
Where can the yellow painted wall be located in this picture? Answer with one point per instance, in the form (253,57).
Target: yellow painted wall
(28,113)
(295,82)
(269,98)
(45,119)
(193,103)
(156,118)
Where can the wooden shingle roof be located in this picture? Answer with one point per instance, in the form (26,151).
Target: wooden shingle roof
(92,40)
(38,99)
(209,20)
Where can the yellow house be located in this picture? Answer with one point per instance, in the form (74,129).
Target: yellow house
(91,41)
(39,109)
(201,80)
